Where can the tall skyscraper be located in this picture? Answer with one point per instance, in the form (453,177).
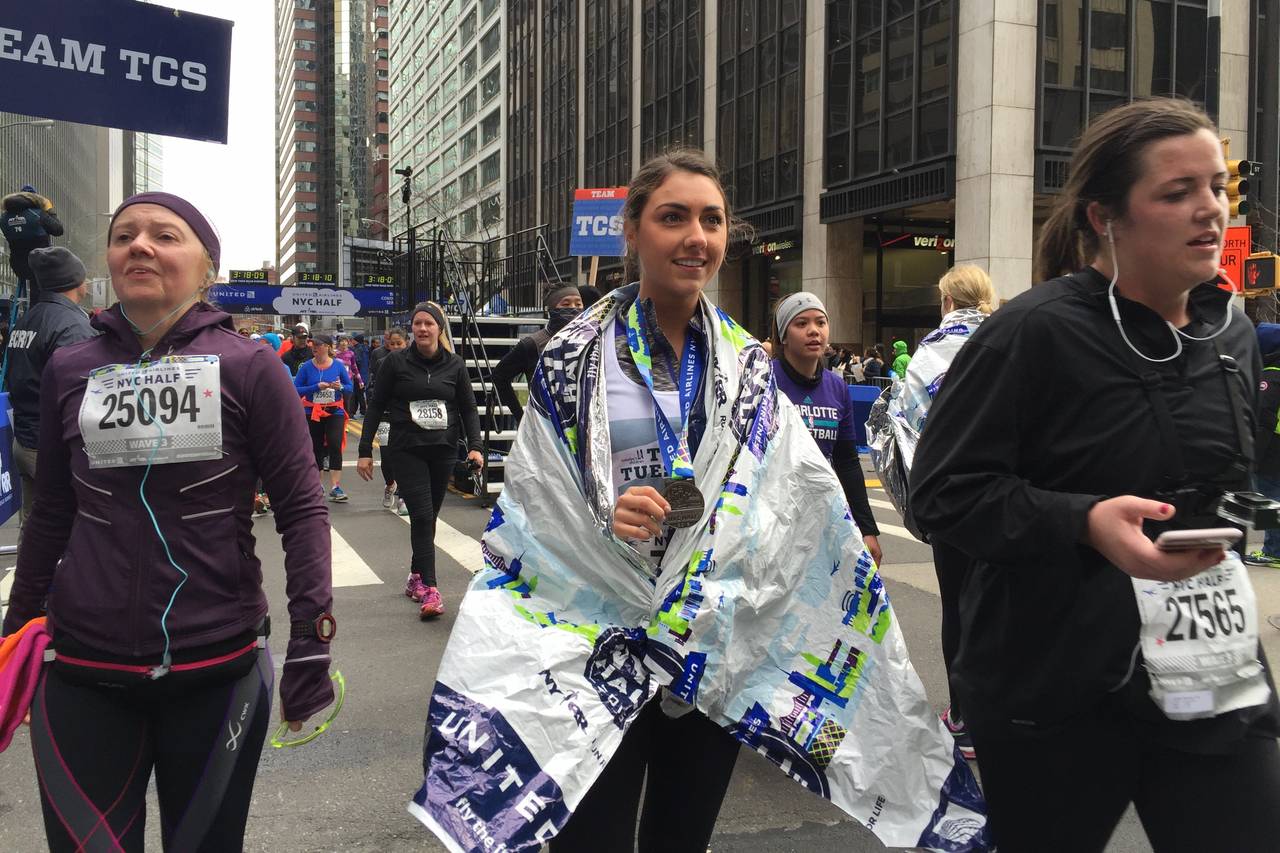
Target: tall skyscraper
(448,78)
(80,168)
(143,162)
(326,128)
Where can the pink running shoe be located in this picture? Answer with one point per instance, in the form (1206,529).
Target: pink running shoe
(414,587)
(432,604)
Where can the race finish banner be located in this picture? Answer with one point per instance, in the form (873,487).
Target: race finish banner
(322,301)
(117,63)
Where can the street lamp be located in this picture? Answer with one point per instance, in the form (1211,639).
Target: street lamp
(379,223)
(38,122)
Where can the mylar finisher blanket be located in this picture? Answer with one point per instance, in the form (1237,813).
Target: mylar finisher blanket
(768,616)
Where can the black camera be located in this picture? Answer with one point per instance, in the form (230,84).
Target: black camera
(1250,509)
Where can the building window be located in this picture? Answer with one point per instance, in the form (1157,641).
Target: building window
(607,78)
(490,85)
(467,221)
(468,105)
(468,183)
(491,210)
(490,127)
(671,88)
(1087,67)
(469,65)
(468,144)
(490,43)
(491,169)
(487,8)
(888,99)
(467,30)
(759,112)
(559,121)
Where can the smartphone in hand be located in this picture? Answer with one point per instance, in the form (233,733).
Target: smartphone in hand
(1198,539)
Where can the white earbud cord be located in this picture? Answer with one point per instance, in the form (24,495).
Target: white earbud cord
(1178,334)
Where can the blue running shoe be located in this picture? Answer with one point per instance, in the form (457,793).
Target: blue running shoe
(337,495)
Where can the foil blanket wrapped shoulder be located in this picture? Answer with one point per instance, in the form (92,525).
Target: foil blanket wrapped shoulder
(768,616)
(900,412)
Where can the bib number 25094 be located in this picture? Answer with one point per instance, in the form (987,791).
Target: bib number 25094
(160,412)
(147,406)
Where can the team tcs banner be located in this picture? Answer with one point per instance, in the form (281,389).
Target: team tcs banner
(597,223)
(117,63)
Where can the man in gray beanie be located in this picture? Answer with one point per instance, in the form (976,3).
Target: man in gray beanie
(55,319)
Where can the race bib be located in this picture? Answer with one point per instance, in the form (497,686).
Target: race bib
(383,435)
(1200,642)
(429,414)
(165,411)
(325,396)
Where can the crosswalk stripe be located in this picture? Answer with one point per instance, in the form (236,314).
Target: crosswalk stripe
(349,568)
(461,548)
(881,504)
(895,530)
(6,583)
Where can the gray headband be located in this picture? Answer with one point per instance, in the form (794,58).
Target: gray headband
(793,306)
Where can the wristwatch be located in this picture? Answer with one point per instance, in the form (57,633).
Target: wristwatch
(324,629)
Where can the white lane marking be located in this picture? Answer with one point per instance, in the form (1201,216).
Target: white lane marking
(461,548)
(6,584)
(881,504)
(919,575)
(895,530)
(349,568)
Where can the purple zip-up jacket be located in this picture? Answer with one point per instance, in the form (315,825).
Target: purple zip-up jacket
(114,581)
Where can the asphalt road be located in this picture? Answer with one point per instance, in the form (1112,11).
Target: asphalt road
(348,789)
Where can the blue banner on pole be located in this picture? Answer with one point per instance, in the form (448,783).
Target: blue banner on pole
(10,482)
(597,223)
(117,63)
(325,301)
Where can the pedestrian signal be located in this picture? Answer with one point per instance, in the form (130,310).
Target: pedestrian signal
(1260,271)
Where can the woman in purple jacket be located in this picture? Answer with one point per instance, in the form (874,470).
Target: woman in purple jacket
(152,437)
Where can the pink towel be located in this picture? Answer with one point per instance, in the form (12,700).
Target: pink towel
(21,656)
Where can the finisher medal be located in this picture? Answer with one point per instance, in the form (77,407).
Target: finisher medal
(686,502)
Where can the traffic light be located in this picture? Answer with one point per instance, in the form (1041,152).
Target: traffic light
(1238,174)
(407,187)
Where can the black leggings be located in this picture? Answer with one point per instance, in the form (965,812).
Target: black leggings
(1065,789)
(95,749)
(676,818)
(388,469)
(422,478)
(326,440)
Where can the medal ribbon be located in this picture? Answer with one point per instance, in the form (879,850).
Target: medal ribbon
(677,462)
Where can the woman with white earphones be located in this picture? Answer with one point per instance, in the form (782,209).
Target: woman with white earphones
(1110,403)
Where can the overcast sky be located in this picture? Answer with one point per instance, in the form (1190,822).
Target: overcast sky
(234,184)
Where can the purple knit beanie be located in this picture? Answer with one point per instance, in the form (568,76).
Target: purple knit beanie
(186,211)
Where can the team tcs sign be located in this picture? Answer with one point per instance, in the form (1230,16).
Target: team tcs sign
(597,223)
